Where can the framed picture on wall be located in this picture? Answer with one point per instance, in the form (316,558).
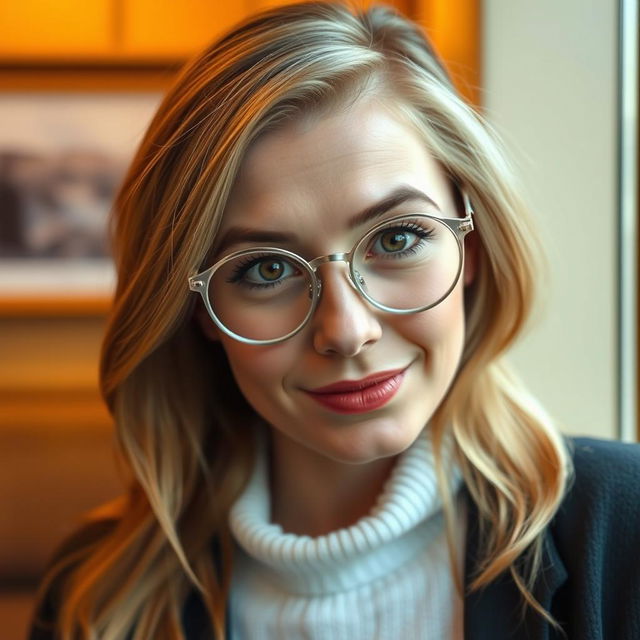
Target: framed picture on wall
(62,158)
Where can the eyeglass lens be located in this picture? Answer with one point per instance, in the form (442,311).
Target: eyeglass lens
(409,265)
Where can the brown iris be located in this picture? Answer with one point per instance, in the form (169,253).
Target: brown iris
(271,270)
(393,241)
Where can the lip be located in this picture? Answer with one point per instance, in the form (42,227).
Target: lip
(359,396)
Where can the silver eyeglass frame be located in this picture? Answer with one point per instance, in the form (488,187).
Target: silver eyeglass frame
(459,226)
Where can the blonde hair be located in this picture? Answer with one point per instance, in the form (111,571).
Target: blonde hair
(183,427)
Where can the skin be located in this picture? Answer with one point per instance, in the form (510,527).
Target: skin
(311,177)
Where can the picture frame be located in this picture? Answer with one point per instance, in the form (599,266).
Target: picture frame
(63,156)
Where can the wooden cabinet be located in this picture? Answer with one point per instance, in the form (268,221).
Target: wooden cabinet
(121,30)
(111,30)
(170,29)
(43,29)
(139,44)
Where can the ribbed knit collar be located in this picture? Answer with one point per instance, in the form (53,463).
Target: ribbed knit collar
(407,515)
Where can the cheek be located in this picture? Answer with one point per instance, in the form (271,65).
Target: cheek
(258,369)
(441,329)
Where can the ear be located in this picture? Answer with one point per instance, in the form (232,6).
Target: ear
(471,257)
(206,324)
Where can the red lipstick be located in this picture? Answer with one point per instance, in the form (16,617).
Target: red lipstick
(359,396)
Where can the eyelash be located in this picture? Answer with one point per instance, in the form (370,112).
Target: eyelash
(243,267)
(412,227)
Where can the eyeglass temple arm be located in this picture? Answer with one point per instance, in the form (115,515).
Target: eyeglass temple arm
(466,224)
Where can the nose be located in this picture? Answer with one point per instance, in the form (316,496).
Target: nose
(343,323)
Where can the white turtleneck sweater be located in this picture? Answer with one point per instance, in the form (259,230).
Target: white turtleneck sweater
(386,577)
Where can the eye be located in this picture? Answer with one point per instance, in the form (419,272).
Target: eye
(399,240)
(259,271)
(270,270)
(391,241)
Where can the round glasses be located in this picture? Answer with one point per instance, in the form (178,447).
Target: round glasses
(406,264)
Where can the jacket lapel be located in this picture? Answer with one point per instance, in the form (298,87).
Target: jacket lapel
(495,611)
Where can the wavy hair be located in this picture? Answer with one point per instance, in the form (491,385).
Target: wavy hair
(183,427)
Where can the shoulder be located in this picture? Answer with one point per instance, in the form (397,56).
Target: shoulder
(602,502)
(596,534)
(594,452)
(604,468)
(68,555)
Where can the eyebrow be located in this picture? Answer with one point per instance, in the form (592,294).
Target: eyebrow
(235,235)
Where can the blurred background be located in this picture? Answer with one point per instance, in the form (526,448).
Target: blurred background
(79,82)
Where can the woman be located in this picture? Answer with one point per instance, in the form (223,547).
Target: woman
(321,436)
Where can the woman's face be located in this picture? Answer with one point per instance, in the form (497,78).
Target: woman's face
(304,184)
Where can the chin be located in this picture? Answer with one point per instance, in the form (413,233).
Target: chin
(374,442)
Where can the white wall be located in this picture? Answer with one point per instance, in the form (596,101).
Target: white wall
(550,90)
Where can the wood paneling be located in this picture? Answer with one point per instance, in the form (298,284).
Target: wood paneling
(454,28)
(46,354)
(57,77)
(57,463)
(167,28)
(33,29)
(56,453)
(138,44)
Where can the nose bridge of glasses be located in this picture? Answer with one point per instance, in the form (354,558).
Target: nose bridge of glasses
(334,257)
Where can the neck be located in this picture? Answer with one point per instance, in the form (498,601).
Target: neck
(313,495)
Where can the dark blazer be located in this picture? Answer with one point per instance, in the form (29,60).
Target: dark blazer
(590,576)
(590,580)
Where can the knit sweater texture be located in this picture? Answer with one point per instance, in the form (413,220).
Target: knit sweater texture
(386,576)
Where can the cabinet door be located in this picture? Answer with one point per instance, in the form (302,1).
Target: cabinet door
(170,29)
(403,6)
(55,29)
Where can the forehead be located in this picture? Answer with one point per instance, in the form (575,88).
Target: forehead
(315,172)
